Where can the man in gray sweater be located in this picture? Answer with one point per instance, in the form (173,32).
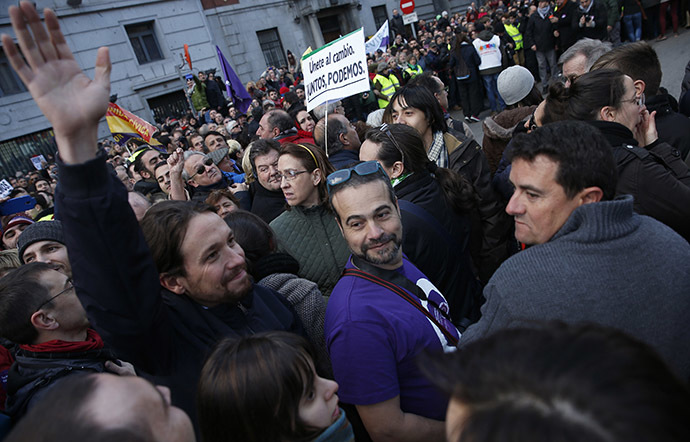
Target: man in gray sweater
(591,258)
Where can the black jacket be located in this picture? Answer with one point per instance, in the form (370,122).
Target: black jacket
(540,32)
(214,95)
(267,204)
(423,190)
(655,176)
(469,57)
(117,282)
(397,27)
(433,250)
(599,14)
(33,374)
(493,246)
(672,127)
(567,35)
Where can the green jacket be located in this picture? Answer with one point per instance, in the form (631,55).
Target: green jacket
(313,238)
(198,95)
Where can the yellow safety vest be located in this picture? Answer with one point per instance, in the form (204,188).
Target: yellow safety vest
(413,72)
(515,35)
(387,89)
(394,79)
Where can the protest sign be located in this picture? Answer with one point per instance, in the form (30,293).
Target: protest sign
(336,70)
(37,161)
(378,40)
(5,189)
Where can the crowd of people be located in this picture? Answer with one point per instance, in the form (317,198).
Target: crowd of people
(366,270)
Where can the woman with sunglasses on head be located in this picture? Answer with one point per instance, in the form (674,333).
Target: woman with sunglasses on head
(307,229)
(648,169)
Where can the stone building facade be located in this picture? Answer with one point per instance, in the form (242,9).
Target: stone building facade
(146,40)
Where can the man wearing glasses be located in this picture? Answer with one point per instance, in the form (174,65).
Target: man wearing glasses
(40,312)
(382,316)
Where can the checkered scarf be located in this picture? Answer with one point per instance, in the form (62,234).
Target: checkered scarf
(437,152)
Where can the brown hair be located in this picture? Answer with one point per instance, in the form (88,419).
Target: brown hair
(165,226)
(312,158)
(250,389)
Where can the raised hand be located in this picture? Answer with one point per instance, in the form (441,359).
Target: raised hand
(72,102)
(645,132)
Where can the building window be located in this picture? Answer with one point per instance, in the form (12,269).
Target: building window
(142,37)
(380,15)
(10,83)
(271,46)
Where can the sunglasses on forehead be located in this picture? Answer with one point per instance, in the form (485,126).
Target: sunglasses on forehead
(201,168)
(340,176)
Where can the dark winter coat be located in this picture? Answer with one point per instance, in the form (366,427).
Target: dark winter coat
(567,35)
(466,157)
(599,14)
(116,280)
(672,127)
(431,248)
(498,131)
(540,33)
(655,176)
(33,374)
(470,58)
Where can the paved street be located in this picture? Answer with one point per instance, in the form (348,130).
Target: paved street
(674,54)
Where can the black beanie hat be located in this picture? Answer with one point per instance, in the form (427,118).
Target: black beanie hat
(40,231)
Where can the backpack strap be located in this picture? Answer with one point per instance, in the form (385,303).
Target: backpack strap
(406,296)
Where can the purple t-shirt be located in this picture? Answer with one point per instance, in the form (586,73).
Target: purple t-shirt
(374,337)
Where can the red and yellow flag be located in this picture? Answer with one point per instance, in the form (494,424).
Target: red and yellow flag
(125,126)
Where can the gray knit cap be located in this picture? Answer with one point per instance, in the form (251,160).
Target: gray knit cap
(514,84)
(40,231)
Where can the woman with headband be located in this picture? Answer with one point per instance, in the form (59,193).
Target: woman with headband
(307,229)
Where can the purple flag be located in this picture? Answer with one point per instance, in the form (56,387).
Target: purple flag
(233,85)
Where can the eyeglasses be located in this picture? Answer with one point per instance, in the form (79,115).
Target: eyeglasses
(201,168)
(71,286)
(290,174)
(386,130)
(340,176)
(639,100)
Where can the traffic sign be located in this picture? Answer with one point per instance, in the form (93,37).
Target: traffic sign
(407,6)
(410,18)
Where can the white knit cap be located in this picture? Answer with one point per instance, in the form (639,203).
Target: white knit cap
(514,84)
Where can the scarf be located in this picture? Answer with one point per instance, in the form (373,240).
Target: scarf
(543,12)
(586,11)
(400,179)
(437,152)
(338,431)
(93,342)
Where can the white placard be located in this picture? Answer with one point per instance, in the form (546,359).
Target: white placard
(37,160)
(336,70)
(410,18)
(5,189)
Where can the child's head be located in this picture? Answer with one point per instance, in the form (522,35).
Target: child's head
(264,388)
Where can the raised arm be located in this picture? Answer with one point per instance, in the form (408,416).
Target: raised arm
(114,273)
(57,83)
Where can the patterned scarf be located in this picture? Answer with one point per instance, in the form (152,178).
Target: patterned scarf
(437,152)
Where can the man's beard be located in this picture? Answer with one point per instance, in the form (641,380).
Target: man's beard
(386,255)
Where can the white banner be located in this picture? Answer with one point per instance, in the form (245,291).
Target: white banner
(378,40)
(336,71)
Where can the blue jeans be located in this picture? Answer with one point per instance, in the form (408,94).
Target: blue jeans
(633,26)
(492,92)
